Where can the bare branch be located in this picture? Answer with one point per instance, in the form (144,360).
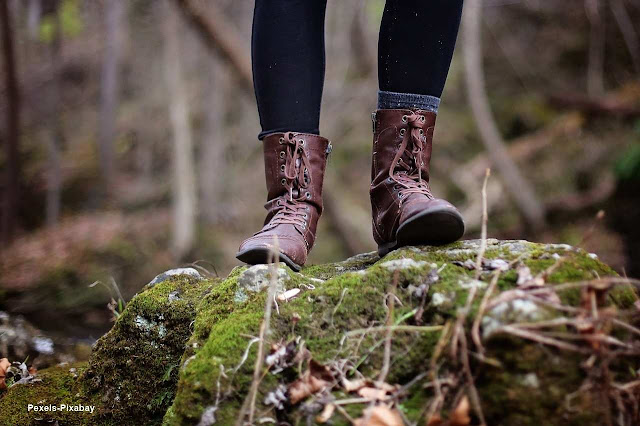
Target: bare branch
(519,189)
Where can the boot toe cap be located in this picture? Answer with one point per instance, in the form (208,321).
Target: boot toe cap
(258,249)
(414,208)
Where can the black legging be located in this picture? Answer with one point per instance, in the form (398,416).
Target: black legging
(416,43)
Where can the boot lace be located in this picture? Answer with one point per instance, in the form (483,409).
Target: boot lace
(296,179)
(413,142)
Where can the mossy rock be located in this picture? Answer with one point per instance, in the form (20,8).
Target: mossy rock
(184,350)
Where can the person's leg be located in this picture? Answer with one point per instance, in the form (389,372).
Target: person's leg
(288,74)
(417,38)
(287,51)
(416,44)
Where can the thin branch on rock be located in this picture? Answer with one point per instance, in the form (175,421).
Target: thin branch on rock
(250,402)
(485,220)
(387,341)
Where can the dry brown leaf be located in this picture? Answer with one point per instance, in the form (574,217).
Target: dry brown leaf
(435,420)
(320,371)
(4,365)
(380,415)
(372,394)
(353,385)
(305,386)
(460,416)
(326,413)
(315,379)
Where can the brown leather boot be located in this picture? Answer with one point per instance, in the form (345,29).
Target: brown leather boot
(294,169)
(404,211)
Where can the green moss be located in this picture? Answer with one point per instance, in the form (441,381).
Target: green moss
(56,385)
(179,347)
(133,367)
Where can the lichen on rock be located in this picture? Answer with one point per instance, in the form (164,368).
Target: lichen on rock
(184,350)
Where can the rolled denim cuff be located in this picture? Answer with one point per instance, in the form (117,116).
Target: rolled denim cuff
(396,100)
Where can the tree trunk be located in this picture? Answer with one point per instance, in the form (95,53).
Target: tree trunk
(184,192)
(34,13)
(520,190)
(56,137)
(109,87)
(12,138)
(595,70)
(213,141)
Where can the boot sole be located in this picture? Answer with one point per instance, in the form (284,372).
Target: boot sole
(260,256)
(434,227)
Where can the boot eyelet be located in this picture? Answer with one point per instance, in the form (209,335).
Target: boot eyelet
(279,203)
(422,118)
(400,195)
(283,181)
(402,132)
(281,154)
(305,216)
(421,132)
(304,226)
(389,180)
(301,142)
(308,195)
(282,168)
(404,118)
(307,208)
(281,141)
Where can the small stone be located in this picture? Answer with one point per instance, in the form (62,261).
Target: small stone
(439,299)
(531,380)
(470,283)
(495,264)
(524,275)
(174,295)
(399,264)
(175,272)
(593,255)
(257,278)
(467,264)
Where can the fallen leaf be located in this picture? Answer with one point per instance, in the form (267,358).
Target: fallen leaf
(282,356)
(460,416)
(305,386)
(320,371)
(326,413)
(4,365)
(380,415)
(316,378)
(353,385)
(288,295)
(372,394)
(435,420)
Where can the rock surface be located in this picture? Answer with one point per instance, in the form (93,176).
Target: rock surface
(540,351)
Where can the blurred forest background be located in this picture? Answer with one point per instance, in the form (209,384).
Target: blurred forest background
(128,139)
